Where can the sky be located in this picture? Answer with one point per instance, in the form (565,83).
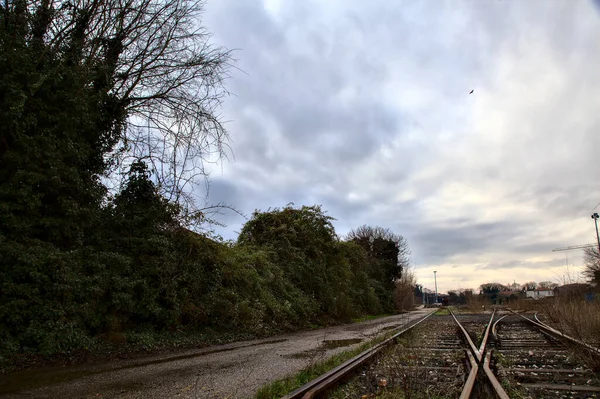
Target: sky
(364,108)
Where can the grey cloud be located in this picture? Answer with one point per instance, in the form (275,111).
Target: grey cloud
(443,242)
(512,264)
(302,92)
(364,108)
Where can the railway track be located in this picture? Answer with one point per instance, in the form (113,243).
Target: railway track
(537,362)
(431,359)
(464,356)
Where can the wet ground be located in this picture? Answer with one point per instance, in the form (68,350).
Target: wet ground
(234,370)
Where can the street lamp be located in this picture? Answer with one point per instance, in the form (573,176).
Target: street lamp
(435,280)
(595,217)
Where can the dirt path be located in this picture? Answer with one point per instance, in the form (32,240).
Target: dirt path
(234,370)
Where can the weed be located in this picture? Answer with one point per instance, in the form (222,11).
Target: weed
(578,319)
(442,312)
(279,388)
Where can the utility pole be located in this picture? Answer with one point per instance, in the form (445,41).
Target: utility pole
(435,280)
(595,217)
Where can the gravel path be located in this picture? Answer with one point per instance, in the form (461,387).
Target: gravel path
(234,370)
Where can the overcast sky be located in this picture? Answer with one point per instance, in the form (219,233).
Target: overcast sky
(364,108)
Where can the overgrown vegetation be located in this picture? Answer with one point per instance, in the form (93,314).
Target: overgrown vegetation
(281,387)
(578,319)
(124,91)
(477,303)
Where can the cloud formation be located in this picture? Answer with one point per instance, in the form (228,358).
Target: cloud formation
(365,109)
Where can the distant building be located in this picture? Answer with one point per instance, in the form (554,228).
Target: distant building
(539,294)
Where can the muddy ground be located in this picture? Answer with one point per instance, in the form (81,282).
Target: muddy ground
(235,370)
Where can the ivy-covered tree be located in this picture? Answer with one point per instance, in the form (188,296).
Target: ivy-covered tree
(491,290)
(87,87)
(390,250)
(304,242)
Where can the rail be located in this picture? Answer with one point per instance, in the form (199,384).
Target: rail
(482,358)
(478,358)
(567,378)
(324,381)
(559,334)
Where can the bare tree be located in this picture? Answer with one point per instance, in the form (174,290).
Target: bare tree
(591,260)
(404,293)
(547,285)
(162,81)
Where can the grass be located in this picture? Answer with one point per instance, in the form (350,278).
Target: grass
(279,388)
(512,391)
(578,319)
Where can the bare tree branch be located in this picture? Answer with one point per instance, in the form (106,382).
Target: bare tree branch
(154,61)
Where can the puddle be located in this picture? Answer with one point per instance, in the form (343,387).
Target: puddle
(332,344)
(29,379)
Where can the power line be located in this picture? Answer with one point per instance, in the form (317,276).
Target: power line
(573,247)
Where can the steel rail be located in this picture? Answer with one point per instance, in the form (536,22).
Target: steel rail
(474,348)
(496,325)
(557,333)
(547,330)
(492,378)
(479,354)
(565,336)
(475,358)
(485,335)
(470,383)
(326,380)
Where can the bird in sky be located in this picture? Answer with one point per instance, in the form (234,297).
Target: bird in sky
(471,92)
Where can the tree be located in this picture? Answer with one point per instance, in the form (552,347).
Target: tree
(305,245)
(87,89)
(530,285)
(382,244)
(591,260)
(136,79)
(547,285)
(404,294)
(453,297)
(491,290)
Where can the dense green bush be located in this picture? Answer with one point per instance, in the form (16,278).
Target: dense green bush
(288,270)
(341,277)
(78,263)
